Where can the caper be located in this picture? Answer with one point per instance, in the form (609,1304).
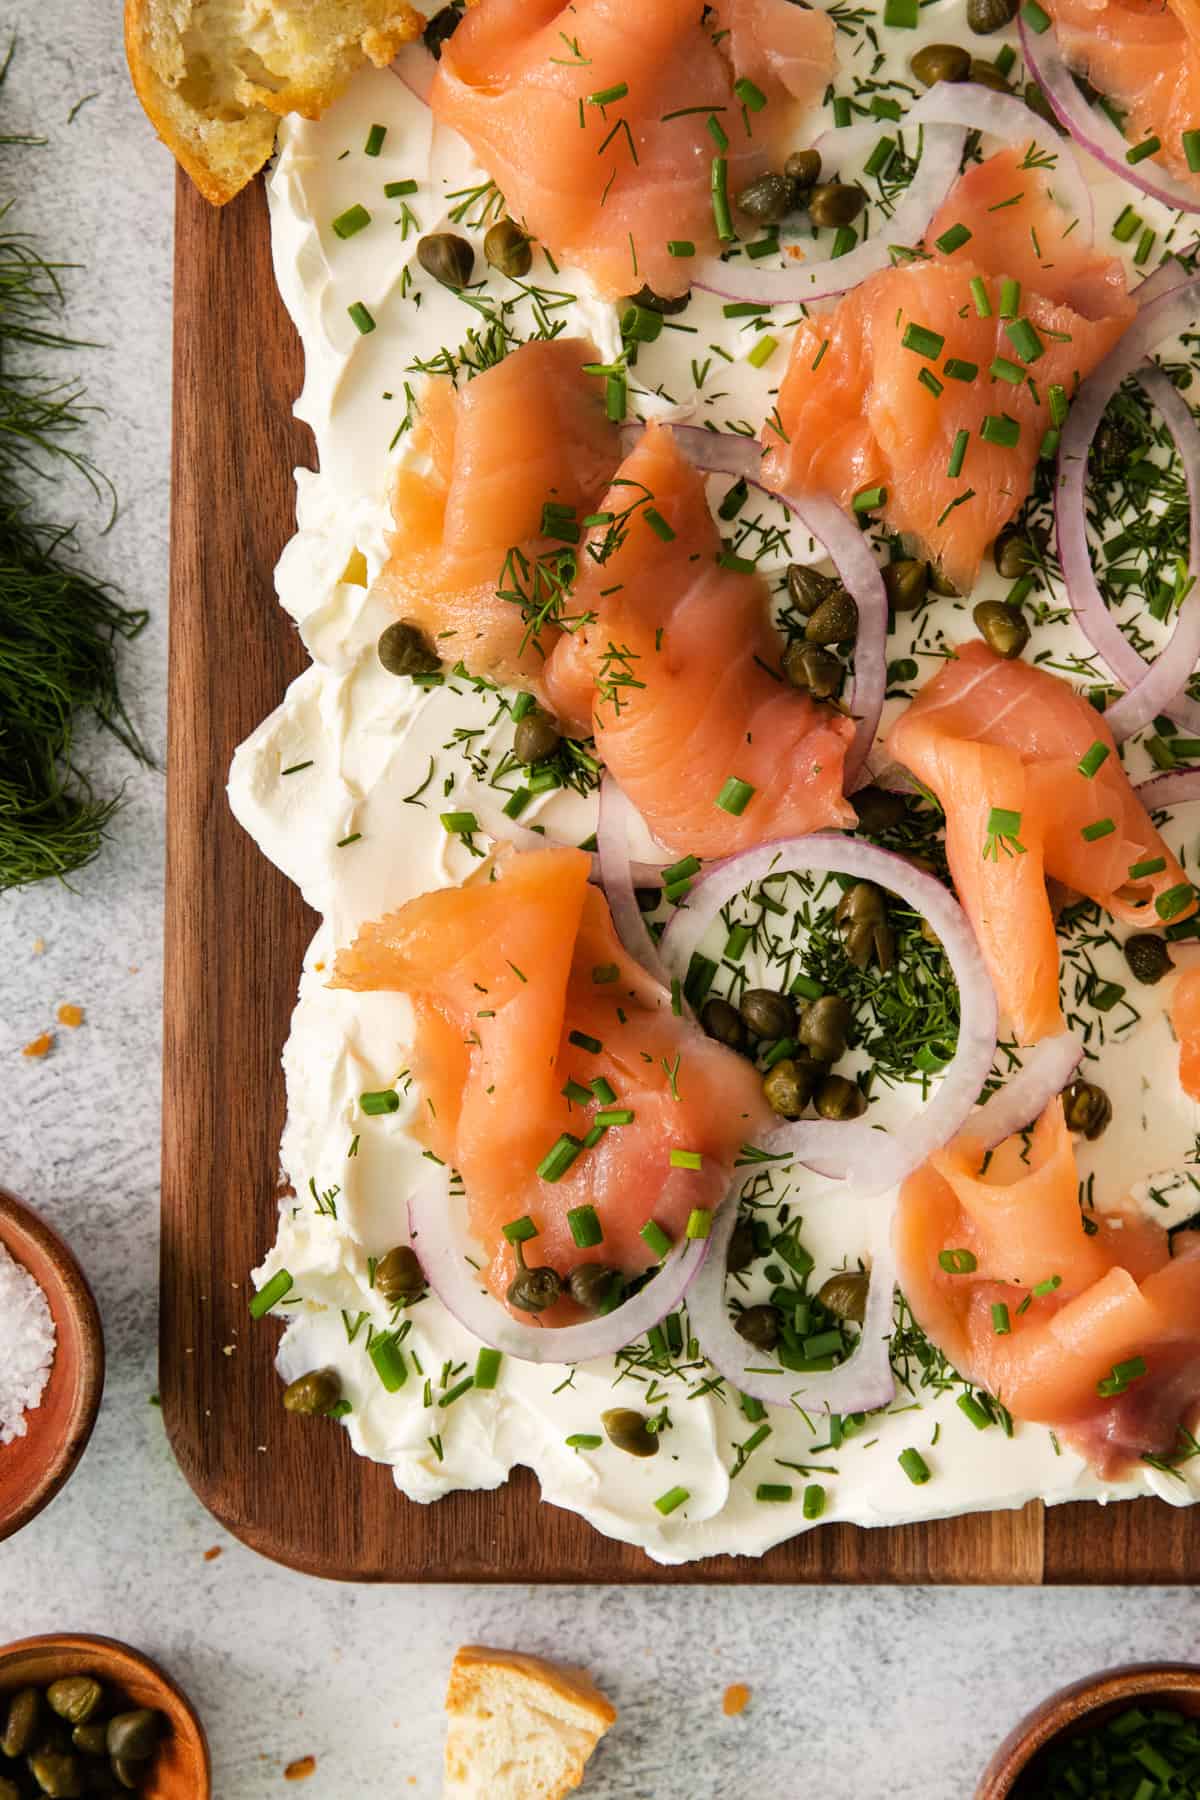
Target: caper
(507,248)
(91,1739)
(835,203)
(1037,103)
(1114,443)
(835,620)
(877,809)
(941,62)
(536,738)
(813,670)
(315,1392)
(988,75)
(447,257)
(723,1022)
(24,1711)
(803,167)
(660,303)
(1015,553)
(862,914)
(591,1286)
(808,589)
(940,582)
(984,16)
(823,1026)
(630,1431)
(788,1086)
(1087,1108)
(837,1098)
(1002,627)
(128,1774)
(57,1774)
(533,1290)
(74,1698)
(648,899)
(1148,957)
(405,650)
(133,1736)
(906,583)
(742,1249)
(440,27)
(759,1325)
(399,1275)
(766,1013)
(768,200)
(845,1295)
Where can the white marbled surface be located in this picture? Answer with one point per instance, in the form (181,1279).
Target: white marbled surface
(856,1694)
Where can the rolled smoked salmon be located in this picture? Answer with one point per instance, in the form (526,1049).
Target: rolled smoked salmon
(1145,56)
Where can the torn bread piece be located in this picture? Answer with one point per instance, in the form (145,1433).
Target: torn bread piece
(216,76)
(519,1728)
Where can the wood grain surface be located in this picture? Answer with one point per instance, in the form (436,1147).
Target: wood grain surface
(235,936)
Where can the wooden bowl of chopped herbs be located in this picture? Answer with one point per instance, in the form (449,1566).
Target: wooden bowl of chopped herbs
(1134,1729)
(51,1363)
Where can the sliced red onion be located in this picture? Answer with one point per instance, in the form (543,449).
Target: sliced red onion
(1045,1072)
(1168,275)
(1175,788)
(497,824)
(617,878)
(976,108)
(1172,312)
(457,1285)
(1093,129)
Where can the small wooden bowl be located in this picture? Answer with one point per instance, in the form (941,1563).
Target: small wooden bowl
(34,1467)
(181,1769)
(1082,1705)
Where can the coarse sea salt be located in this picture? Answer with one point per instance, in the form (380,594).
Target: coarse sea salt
(26,1346)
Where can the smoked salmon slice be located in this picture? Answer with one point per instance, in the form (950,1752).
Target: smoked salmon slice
(1145,56)
(521,986)
(1091,1329)
(916,372)
(592,119)
(1185,1023)
(1031,784)
(528,432)
(673,672)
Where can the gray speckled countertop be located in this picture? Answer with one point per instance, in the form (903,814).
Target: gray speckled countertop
(856,1694)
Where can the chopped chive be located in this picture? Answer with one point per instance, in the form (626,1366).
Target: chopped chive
(844,240)
(735,796)
(734,501)
(1127,224)
(1145,246)
(352,221)
(953,239)
(958,370)
(914,1466)
(559,1157)
(606,96)
(374,143)
(354,838)
(270,1294)
(717,132)
(457,1391)
(671,1500)
(929,380)
(1106,994)
(582,1041)
(1123,1373)
(740,565)
(720,197)
(749,95)
(460,824)
(659,525)
(880,156)
(971,1409)
(883,108)
(979,293)
(593,1137)
(1148,147)
(487,1368)
(386,1100)
(1001,1323)
(519,1231)
(923,341)
(902,15)
(516,803)
(641,324)
(1000,429)
(617,1115)
(1004,369)
(1099,828)
(1174,901)
(1153,865)
(680,247)
(1010,298)
(699,1222)
(1042,1288)
(958,454)
(773,1491)
(957,1262)
(616,397)
(841,111)
(583,1440)
(1048,448)
(603,1091)
(396,190)
(1191,149)
(585,1226)
(1093,759)
(1059,404)
(805,988)
(687,1159)
(763,350)
(1004,58)
(388,1360)
(653,1234)
(295,768)
(869,499)
(814,1500)
(1024,339)
(577,1093)
(1035,17)
(361,318)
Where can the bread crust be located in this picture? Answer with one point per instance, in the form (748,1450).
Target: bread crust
(566,1680)
(496,1693)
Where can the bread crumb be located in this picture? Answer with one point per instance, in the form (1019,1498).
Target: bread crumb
(70,1016)
(318,966)
(39,946)
(301,1769)
(40,1046)
(736,1698)
(212,1555)
(135,968)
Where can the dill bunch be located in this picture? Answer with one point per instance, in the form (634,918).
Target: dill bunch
(59,627)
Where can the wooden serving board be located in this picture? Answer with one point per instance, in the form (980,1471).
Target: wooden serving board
(236,931)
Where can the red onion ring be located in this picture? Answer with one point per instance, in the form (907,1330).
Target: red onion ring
(496,823)
(457,1285)
(618,881)
(1174,788)
(1091,129)
(1047,1068)
(1173,311)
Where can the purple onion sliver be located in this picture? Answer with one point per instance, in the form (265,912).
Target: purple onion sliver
(1175,788)
(615,817)
(1047,1069)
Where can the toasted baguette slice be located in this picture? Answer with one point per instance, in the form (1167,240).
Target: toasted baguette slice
(215,76)
(519,1728)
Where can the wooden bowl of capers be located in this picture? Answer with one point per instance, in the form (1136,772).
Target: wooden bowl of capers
(89,1715)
